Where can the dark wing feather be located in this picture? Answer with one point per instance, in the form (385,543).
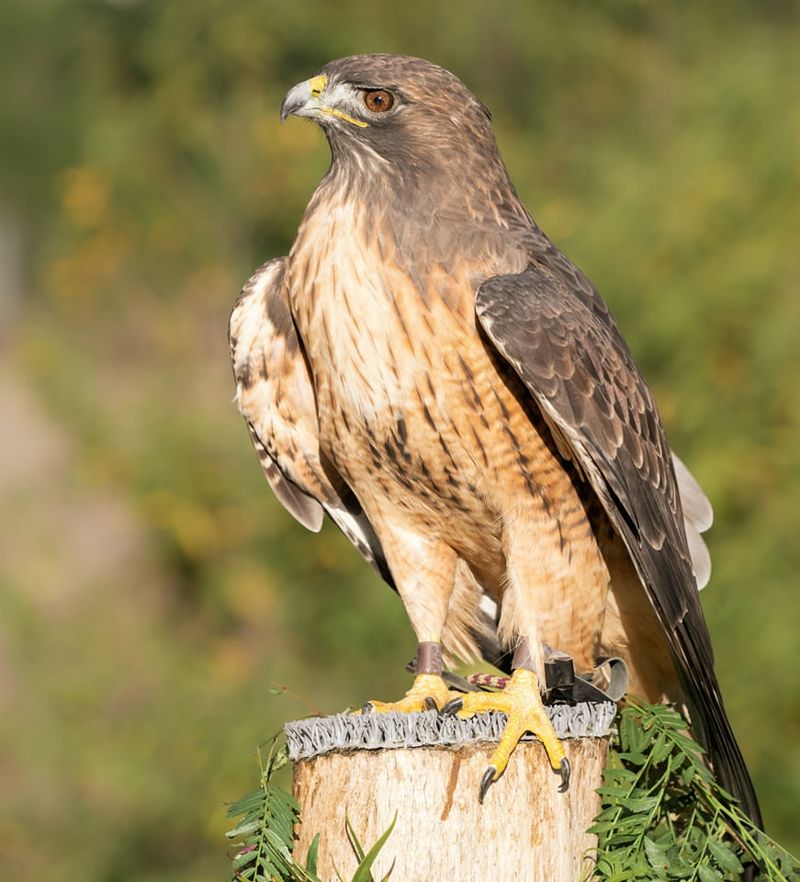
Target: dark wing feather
(557,334)
(276,397)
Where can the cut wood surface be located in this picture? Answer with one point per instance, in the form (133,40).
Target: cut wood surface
(525,829)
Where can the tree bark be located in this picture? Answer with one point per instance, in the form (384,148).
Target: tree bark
(525,829)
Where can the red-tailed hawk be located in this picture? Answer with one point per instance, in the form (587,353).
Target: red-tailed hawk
(428,369)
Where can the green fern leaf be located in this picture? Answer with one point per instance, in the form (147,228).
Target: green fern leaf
(725,858)
(707,874)
(663,815)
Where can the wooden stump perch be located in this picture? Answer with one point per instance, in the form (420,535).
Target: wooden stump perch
(425,770)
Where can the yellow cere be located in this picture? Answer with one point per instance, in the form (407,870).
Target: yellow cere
(317,85)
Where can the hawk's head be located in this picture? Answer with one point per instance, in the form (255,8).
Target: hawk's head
(404,109)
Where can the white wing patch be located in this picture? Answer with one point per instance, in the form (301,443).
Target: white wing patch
(359,531)
(698,517)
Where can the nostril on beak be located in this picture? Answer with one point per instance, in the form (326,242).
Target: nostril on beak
(317,85)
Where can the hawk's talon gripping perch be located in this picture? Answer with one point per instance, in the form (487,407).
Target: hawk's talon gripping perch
(566,771)
(428,692)
(453,707)
(489,777)
(522,704)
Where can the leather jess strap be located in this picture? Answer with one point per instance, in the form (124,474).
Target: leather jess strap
(429,657)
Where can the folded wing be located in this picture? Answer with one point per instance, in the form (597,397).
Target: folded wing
(275,395)
(557,334)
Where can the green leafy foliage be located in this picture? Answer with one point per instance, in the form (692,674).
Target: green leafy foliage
(665,817)
(265,832)
(265,836)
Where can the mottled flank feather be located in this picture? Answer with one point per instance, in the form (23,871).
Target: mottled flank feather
(275,396)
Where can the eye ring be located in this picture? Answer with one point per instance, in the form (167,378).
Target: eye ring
(378,100)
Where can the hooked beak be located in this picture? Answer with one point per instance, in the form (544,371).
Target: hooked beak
(304,98)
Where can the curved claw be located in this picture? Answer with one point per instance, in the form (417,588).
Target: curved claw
(487,780)
(367,708)
(430,704)
(452,707)
(565,770)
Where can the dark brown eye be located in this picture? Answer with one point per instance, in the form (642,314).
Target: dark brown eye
(379,100)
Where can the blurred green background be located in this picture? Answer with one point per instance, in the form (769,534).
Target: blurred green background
(153,592)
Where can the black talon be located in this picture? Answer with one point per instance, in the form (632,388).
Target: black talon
(486,782)
(430,704)
(453,707)
(565,773)
(367,708)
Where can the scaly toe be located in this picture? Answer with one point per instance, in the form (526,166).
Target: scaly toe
(521,702)
(428,693)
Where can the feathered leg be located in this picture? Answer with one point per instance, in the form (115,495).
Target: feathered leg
(424,571)
(555,595)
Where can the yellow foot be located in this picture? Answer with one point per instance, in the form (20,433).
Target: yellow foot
(522,704)
(428,692)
